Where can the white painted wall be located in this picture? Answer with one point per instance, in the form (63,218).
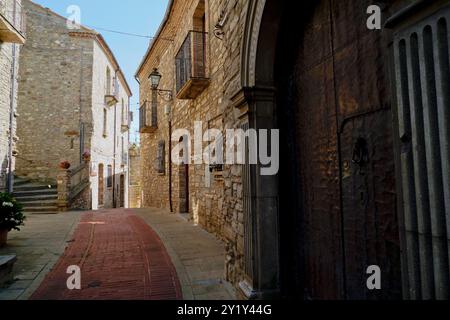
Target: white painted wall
(102,147)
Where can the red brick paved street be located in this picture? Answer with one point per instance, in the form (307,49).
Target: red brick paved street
(121,258)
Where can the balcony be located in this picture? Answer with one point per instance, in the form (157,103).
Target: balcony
(112,94)
(125,158)
(126,122)
(125,127)
(12,22)
(148,117)
(191,66)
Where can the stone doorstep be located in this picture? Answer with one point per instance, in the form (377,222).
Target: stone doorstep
(6,268)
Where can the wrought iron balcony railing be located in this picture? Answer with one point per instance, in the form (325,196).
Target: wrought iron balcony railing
(192,66)
(12,21)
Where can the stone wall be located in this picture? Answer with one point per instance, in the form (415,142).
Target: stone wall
(63,106)
(54,96)
(6,84)
(215,199)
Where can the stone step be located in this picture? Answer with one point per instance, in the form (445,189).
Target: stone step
(43,213)
(34,198)
(41,210)
(6,268)
(33,187)
(20,181)
(38,204)
(26,194)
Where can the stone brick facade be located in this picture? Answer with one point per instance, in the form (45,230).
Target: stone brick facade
(268,61)
(215,198)
(66,77)
(9,62)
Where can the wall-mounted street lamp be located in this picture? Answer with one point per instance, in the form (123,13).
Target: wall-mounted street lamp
(155,79)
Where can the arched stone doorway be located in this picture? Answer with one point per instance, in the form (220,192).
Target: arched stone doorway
(331,211)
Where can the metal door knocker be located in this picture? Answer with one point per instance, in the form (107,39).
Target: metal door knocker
(360,154)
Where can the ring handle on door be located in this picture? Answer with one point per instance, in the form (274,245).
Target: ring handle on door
(360,154)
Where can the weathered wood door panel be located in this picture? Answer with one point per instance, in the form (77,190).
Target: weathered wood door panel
(337,90)
(370,229)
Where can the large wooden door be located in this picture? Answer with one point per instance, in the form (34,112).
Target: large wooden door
(338,205)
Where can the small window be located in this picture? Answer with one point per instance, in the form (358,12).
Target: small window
(161,158)
(109,183)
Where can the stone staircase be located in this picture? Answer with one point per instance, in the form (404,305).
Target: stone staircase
(36,198)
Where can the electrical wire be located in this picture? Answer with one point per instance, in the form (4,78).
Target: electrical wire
(94,28)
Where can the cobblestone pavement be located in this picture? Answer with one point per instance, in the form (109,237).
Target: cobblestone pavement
(197,255)
(120,257)
(123,254)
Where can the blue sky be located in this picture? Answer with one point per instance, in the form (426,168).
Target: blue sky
(141,17)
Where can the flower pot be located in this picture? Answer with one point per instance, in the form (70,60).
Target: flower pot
(3,237)
(64,165)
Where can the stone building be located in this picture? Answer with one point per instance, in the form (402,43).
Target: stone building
(74,106)
(12,36)
(135,192)
(359,94)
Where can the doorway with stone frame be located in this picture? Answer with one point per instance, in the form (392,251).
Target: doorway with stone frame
(304,224)
(183,180)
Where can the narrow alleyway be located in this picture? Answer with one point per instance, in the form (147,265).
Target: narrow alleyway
(134,255)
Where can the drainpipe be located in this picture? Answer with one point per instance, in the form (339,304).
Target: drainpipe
(81,124)
(11,119)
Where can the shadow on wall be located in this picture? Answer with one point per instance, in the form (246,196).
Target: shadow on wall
(4,174)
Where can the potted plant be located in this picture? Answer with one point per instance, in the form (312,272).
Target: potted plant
(87,156)
(65,165)
(11,216)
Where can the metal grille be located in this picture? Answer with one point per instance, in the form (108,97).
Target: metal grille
(13,12)
(423,94)
(191,58)
(248,212)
